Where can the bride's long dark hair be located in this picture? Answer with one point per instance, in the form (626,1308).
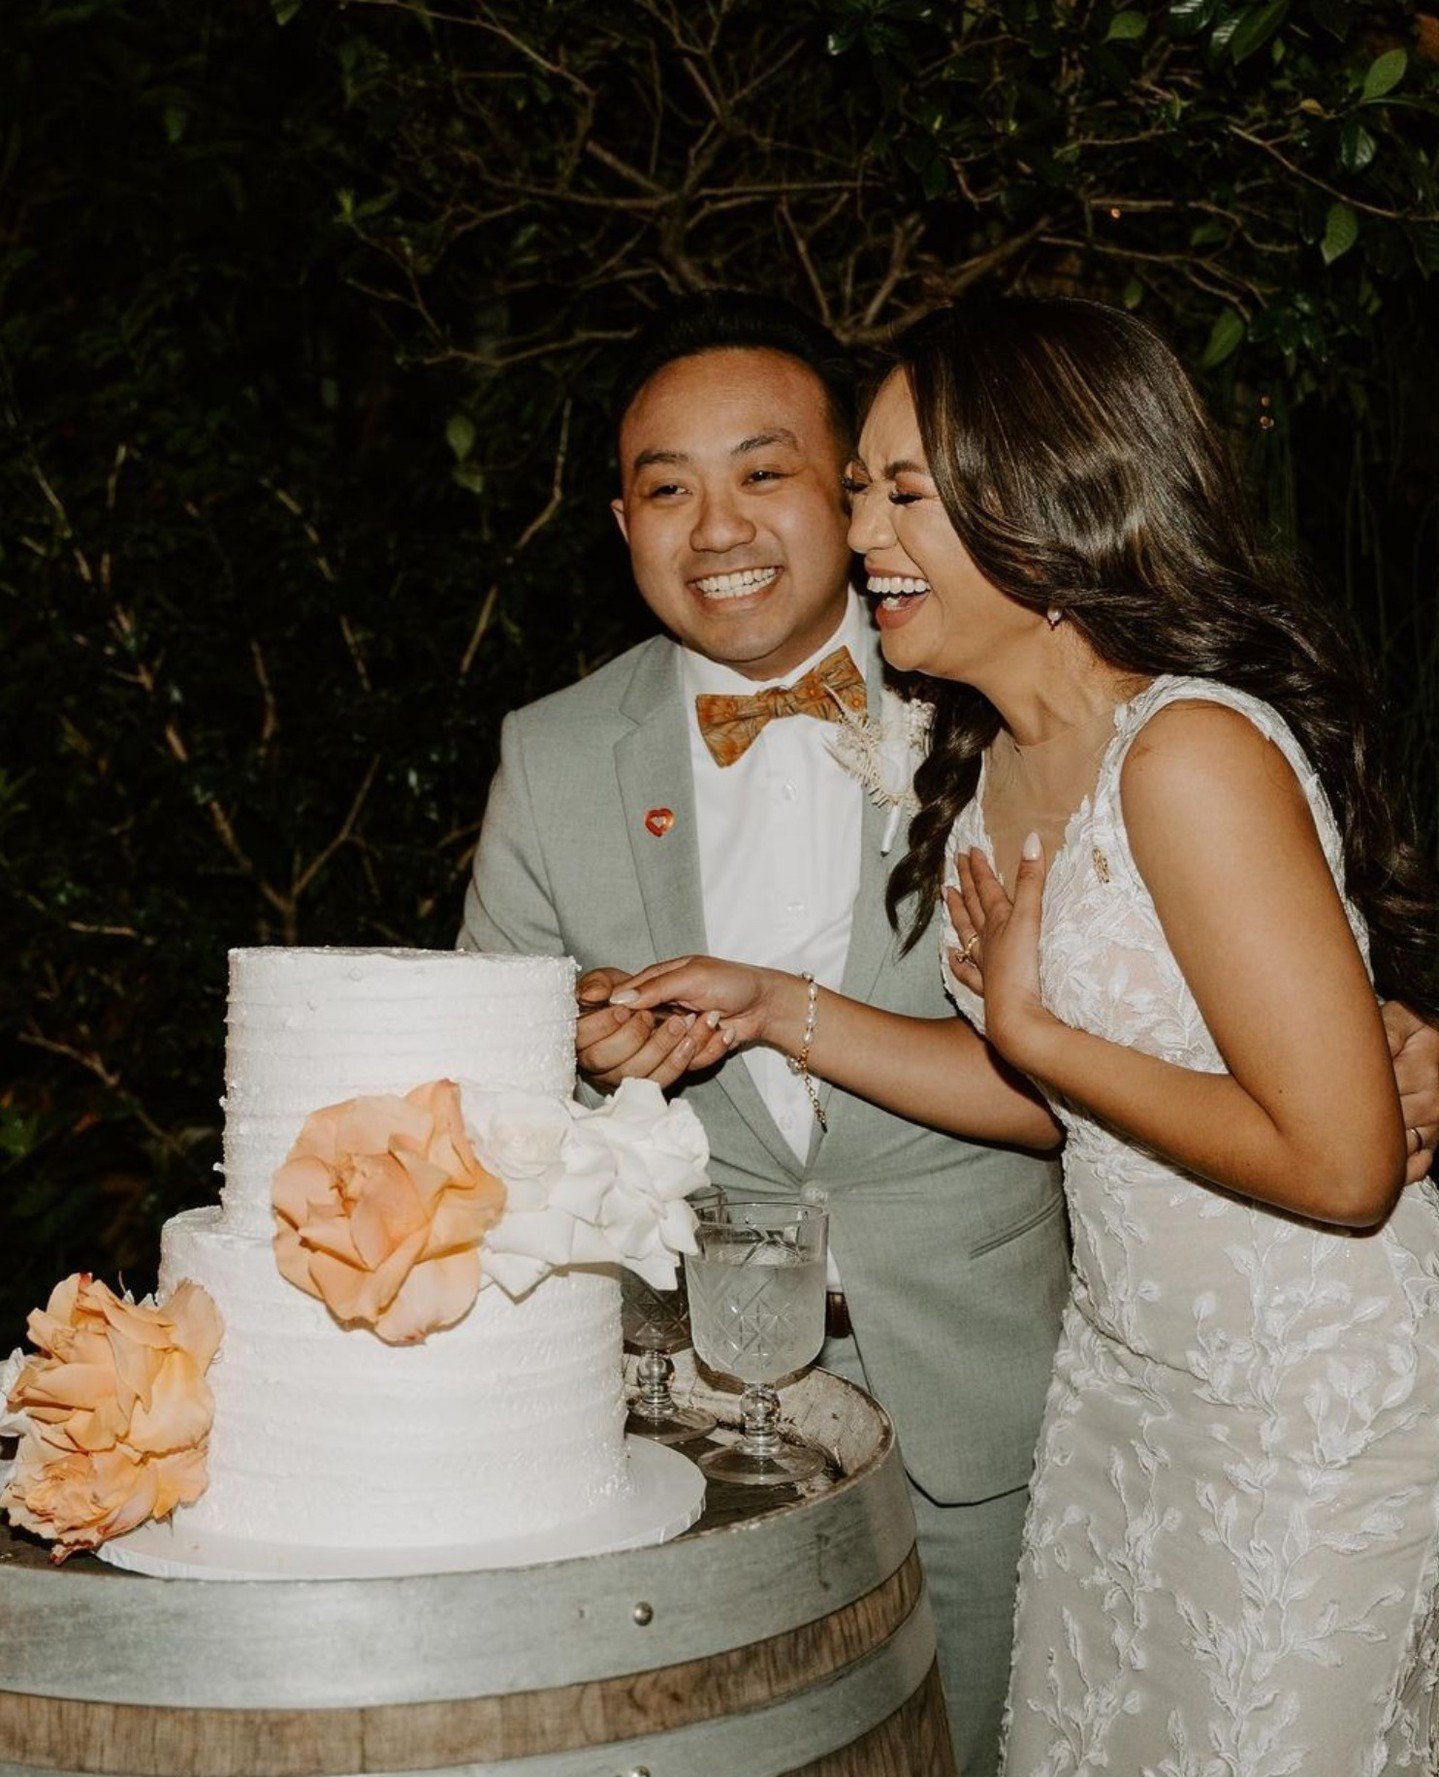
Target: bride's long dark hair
(1079,468)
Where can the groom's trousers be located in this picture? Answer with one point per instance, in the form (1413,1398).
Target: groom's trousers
(970,1555)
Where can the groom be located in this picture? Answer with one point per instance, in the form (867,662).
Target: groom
(645,813)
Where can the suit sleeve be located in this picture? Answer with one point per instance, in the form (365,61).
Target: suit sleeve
(509,904)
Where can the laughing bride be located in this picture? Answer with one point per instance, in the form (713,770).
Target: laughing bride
(1173,882)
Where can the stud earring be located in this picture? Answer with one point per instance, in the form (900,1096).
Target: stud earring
(1054,616)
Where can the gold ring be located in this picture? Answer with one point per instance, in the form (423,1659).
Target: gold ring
(970,945)
(1418,1139)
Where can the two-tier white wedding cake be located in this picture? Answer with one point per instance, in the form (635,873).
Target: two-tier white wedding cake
(394,1346)
(507,1423)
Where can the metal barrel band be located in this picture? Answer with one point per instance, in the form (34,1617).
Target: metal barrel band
(767,1742)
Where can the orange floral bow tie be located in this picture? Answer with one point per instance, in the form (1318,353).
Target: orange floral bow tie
(730,725)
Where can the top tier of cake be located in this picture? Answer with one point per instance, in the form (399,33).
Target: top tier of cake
(309,1028)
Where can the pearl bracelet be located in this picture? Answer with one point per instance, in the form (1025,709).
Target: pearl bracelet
(799,1064)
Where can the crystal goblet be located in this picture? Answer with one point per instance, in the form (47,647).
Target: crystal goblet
(756,1290)
(656,1321)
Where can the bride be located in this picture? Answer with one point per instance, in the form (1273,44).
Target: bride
(1173,882)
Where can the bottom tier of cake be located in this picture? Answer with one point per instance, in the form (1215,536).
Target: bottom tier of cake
(507,1423)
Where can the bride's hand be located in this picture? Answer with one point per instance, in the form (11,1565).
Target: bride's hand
(998,957)
(734,1001)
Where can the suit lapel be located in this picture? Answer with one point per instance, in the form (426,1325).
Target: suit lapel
(652,763)
(871,940)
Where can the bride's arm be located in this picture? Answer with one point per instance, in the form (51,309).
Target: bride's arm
(1307,1116)
(936,1071)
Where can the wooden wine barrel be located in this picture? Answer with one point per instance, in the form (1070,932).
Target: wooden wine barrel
(781,1635)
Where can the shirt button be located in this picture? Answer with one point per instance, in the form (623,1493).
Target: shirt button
(794,906)
(789,792)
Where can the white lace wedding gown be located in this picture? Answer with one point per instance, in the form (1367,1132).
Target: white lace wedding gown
(1232,1548)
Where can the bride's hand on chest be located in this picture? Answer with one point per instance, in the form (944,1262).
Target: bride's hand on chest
(998,952)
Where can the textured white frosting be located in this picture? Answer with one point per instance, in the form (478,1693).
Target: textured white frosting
(308,1028)
(510,1422)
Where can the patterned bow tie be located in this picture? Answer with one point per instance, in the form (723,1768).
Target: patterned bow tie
(730,725)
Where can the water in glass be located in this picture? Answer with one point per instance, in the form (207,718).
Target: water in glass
(757,1306)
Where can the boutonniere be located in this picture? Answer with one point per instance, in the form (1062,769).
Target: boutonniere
(884,752)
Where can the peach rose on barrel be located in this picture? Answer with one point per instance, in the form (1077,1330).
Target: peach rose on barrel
(113,1414)
(381,1208)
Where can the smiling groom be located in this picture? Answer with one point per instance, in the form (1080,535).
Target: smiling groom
(685,798)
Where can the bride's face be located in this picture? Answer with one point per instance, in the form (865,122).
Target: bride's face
(936,612)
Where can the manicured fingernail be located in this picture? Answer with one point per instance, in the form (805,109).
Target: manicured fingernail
(726,1037)
(624,996)
(689,1019)
(712,1019)
(1032,847)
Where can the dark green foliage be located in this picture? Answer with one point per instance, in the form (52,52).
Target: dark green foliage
(306,320)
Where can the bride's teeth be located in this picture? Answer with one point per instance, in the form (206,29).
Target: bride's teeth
(733,586)
(894,586)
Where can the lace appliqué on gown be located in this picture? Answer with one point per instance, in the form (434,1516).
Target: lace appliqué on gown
(1232,1552)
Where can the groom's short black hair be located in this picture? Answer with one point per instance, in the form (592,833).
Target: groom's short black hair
(714,320)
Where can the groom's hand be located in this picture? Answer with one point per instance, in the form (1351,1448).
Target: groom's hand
(614,1043)
(1414,1046)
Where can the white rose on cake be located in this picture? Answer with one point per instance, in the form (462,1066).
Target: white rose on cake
(606,1186)
(660,1157)
(641,1117)
(555,1180)
(544,1157)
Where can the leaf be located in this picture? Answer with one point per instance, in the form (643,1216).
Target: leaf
(1255,29)
(1341,230)
(1133,294)
(284,10)
(1224,338)
(1385,73)
(1188,17)
(1356,147)
(1126,27)
(469,476)
(934,181)
(460,435)
(1424,244)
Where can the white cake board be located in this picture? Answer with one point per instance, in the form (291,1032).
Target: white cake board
(665,1497)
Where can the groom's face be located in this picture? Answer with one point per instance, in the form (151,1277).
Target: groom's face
(733,507)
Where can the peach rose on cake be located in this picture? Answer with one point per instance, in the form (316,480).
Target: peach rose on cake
(114,1413)
(381,1208)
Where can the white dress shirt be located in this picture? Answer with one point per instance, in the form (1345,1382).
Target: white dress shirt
(779,851)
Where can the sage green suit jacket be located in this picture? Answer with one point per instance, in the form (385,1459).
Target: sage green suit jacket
(953,1255)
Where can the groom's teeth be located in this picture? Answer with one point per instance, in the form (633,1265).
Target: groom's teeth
(891,586)
(733,586)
